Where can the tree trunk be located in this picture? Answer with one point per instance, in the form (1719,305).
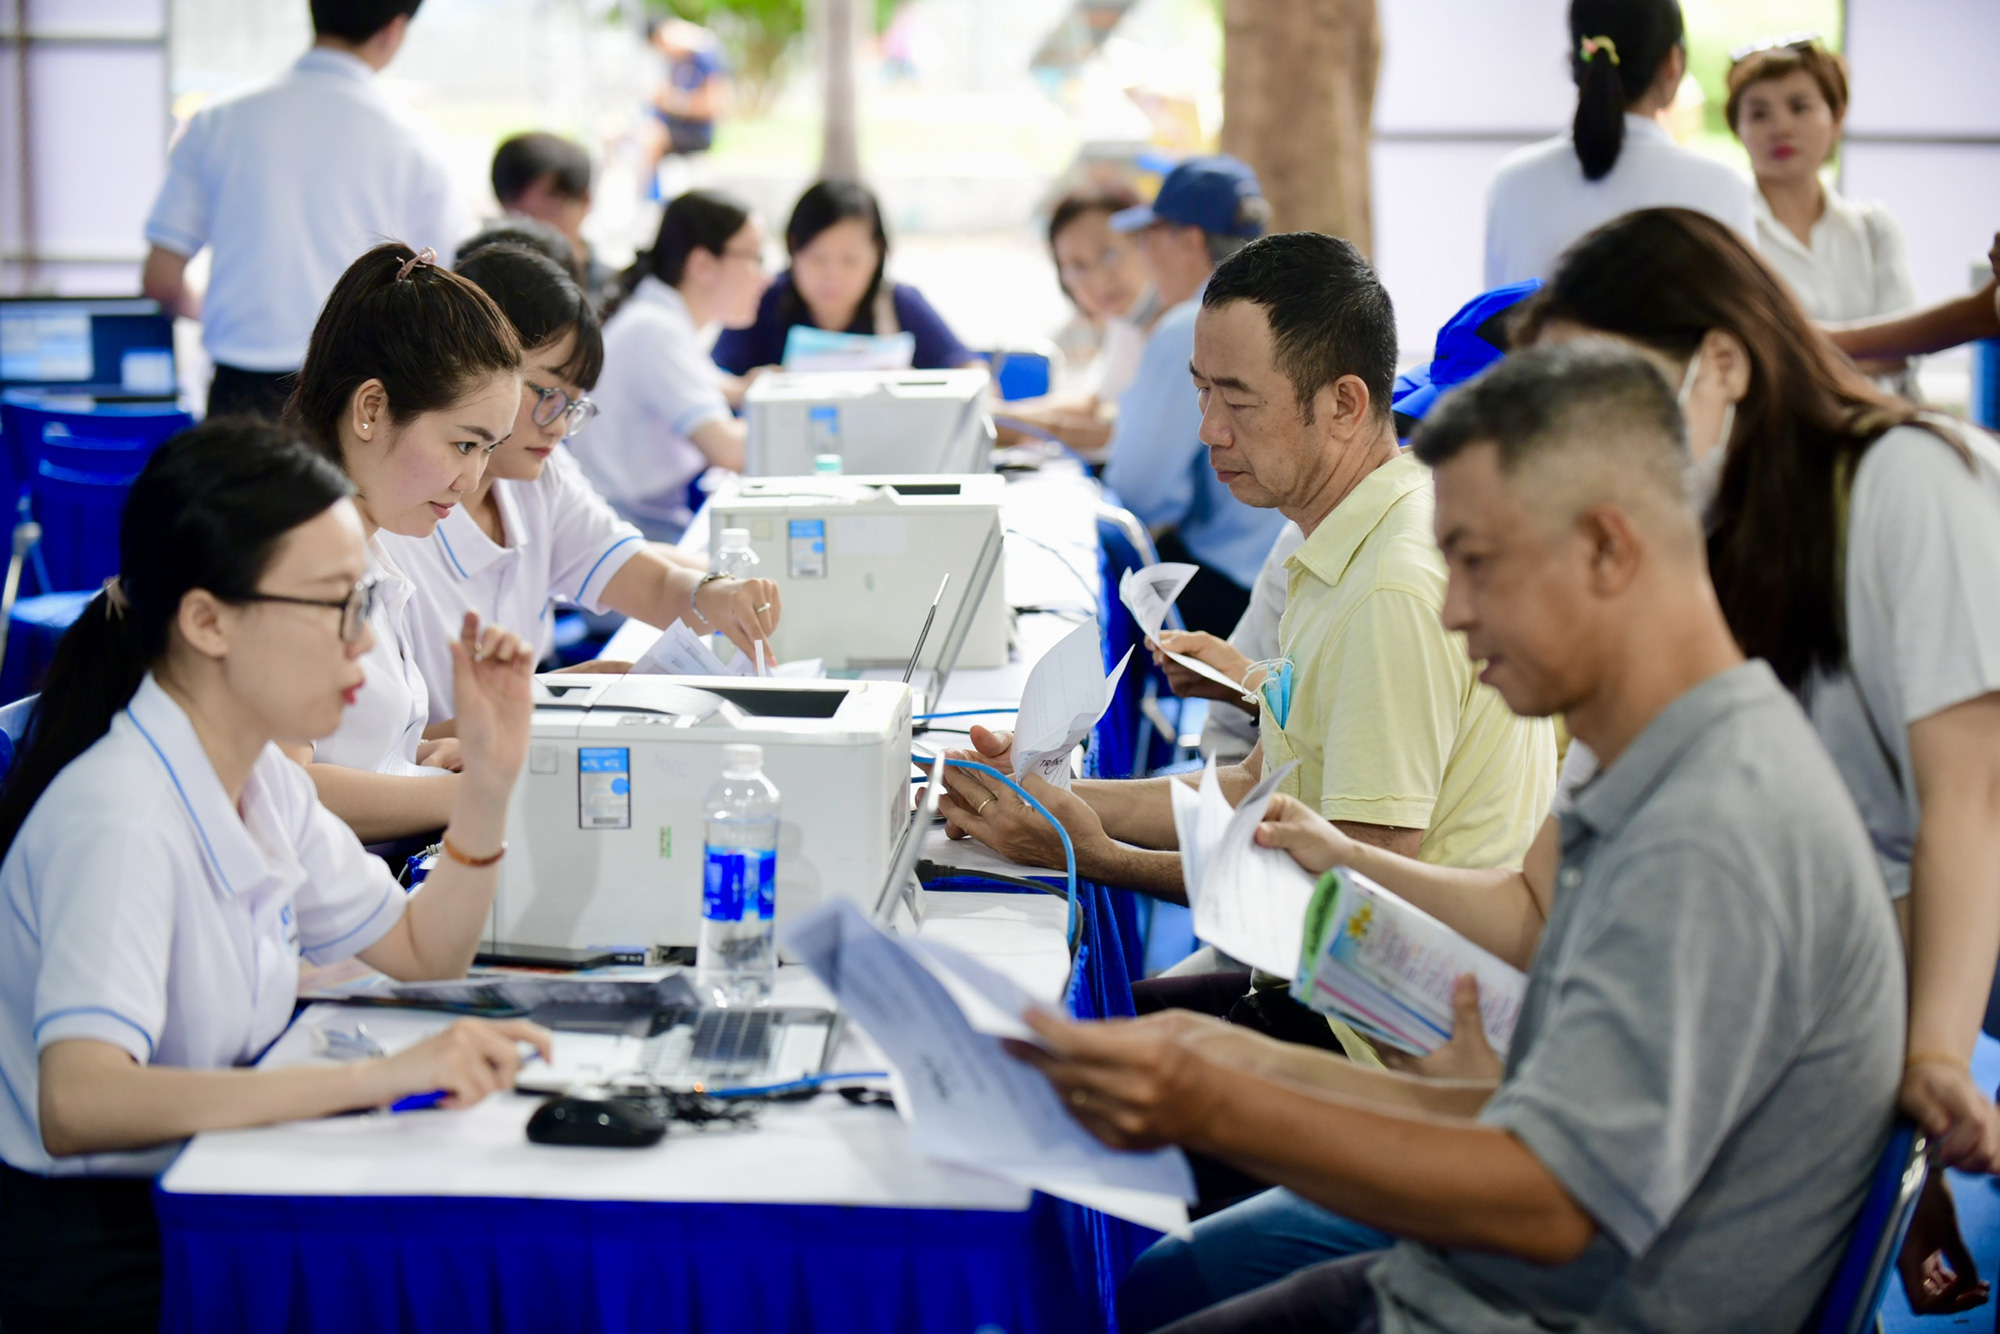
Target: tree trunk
(1298,100)
(840,142)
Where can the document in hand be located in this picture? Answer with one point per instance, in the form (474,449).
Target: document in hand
(679,651)
(1248,901)
(1148,593)
(1067,693)
(967,1100)
(1388,968)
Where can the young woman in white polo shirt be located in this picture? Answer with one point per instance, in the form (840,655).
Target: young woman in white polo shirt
(1627,58)
(411,380)
(534,531)
(166,867)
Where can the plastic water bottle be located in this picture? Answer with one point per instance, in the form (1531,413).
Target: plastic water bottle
(736,959)
(735,558)
(827,465)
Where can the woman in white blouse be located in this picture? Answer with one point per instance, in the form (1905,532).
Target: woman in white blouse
(1627,57)
(166,867)
(1843,260)
(411,380)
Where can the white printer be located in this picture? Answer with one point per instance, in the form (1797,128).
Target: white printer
(859,559)
(877,421)
(606,830)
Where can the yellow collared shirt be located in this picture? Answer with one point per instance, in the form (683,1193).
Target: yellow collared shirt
(1388,720)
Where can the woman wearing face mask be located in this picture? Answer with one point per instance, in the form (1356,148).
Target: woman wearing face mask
(534,531)
(166,867)
(411,379)
(838,282)
(663,407)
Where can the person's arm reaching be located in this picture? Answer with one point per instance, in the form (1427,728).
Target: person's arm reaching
(724,442)
(379,807)
(164,279)
(659,592)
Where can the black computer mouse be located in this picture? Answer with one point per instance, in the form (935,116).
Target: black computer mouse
(606,1123)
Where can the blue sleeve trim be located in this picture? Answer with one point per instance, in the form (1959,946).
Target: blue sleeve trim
(133,1024)
(584,587)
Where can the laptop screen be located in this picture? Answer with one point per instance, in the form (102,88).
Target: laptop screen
(101,347)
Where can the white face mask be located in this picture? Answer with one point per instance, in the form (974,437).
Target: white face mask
(1704,475)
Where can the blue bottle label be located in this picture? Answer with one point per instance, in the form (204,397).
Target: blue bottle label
(738,882)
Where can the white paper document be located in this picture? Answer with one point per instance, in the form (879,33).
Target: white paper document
(966,1100)
(1148,593)
(1067,692)
(679,651)
(1248,901)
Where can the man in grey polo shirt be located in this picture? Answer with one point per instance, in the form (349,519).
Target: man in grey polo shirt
(1706,1064)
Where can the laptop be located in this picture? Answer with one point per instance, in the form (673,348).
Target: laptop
(960,628)
(113,349)
(709,1048)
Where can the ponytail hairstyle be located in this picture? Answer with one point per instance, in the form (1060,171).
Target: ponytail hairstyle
(697,220)
(820,207)
(1616,48)
(542,302)
(208,511)
(427,334)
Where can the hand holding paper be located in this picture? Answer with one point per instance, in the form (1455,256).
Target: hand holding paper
(1147,594)
(679,651)
(1247,900)
(1067,693)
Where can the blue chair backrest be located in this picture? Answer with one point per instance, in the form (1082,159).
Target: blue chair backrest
(28,417)
(1862,1278)
(15,717)
(78,493)
(1021,374)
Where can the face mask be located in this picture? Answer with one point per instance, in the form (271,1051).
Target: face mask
(1704,475)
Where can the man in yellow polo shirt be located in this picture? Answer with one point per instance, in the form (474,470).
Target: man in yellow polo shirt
(1398,743)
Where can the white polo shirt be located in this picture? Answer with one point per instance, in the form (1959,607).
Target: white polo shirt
(563,544)
(289,184)
(381,729)
(658,387)
(1857,267)
(144,910)
(1539,201)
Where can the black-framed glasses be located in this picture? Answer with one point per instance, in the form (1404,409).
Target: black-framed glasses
(553,403)
(1791,41)
(354,609)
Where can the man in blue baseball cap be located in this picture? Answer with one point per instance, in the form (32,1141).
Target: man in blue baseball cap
(1207,209)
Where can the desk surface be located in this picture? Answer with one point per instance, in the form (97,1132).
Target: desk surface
(822,1152)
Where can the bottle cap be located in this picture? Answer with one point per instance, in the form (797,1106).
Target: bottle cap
(735,539)
(826,464)
(742,759)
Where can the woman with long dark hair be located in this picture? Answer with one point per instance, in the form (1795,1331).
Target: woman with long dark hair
(663,407)
(839,281)
(534,531)
(1627,58)
(166,867)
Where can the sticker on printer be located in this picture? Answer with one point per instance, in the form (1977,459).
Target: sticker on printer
(603,787)
(807,548)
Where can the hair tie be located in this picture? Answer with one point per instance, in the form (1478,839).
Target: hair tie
(429,257)
(116,604)
(1592,45)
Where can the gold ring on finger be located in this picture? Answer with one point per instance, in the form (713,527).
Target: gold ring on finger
(1077,1097)
(988,802)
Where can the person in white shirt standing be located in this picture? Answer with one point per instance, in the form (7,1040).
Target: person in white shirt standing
(286,185)
(1627,57)
(1843,260)
(663,405)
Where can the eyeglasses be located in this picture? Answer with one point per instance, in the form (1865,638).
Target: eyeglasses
(1791,41)
(554,403)
(748,256)
(354,609)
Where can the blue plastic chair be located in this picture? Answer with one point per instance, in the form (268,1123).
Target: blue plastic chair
(30,416)
(77,493)
(1853,1300)
(14,720)
(1021,374)
(32,633)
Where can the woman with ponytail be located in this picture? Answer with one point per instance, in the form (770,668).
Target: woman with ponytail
(411,380)
(1627,58)
(165,867)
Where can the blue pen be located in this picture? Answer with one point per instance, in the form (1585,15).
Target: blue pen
(419,1102)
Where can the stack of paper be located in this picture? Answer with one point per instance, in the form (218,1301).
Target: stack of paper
(1147,594)
(1388,968)
(938,1018)
(1248,901)
(1067,692)
(679,651)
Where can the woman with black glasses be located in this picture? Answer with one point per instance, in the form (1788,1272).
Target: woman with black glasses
(166,867)
(534,531)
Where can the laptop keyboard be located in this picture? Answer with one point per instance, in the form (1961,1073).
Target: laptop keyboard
(711,1044)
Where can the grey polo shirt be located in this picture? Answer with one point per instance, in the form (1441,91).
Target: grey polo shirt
(1708,1053)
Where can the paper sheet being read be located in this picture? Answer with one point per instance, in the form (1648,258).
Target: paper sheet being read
(1148,593)
(1248,901)
(967,1100)
(1067,692)
(679,651)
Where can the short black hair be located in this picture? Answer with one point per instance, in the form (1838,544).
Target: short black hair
(526,158)
(518,230)
(1547,397)
(355,21)
(1329,313)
